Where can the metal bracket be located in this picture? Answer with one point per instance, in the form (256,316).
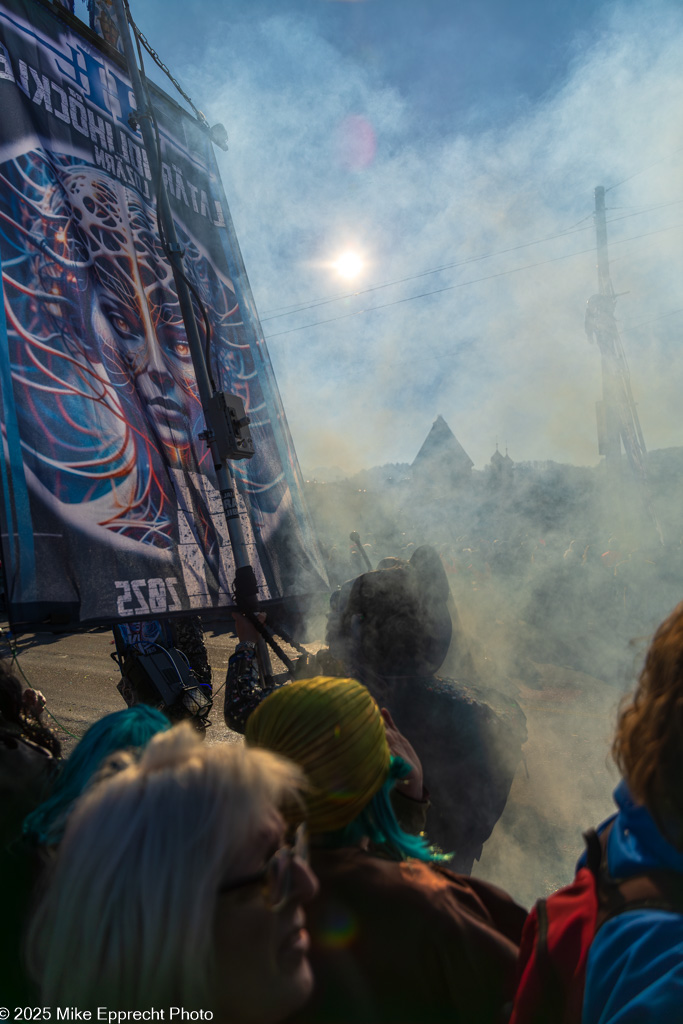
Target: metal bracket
(227,422)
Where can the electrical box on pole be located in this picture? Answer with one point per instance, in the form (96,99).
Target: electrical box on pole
(227,426)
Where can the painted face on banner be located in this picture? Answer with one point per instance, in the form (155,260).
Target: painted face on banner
(157,361)
(134,314)
(105,389)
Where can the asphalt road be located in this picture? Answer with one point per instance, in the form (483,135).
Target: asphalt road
(78,677)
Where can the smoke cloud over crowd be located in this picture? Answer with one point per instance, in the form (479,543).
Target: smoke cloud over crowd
(472,209)
(501,352)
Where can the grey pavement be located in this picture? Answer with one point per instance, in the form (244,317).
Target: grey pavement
(78,677)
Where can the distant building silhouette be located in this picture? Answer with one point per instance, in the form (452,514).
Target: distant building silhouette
(497,461)
(501,469)
(441,463)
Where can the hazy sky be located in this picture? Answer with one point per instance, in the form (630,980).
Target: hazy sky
(423,134)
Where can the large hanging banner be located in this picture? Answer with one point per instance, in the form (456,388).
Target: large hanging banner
(108,500)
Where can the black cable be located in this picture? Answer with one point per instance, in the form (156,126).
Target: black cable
(244,592)
(15,661)
(269,638)
(644,169)
(463,284)
(288,639)
(645,323)
(207,325)
(160,64)
(162,235)
(266,634)
(184,689)
(299,307)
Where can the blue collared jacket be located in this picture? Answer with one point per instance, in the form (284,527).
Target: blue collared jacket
(635,963)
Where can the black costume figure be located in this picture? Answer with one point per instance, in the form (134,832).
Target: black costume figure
(391,629)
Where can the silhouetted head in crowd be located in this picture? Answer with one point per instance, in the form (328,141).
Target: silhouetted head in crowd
(648,746)
(131,728)
(174,885)
(393,621)
(21,709)
(28,755)
(334,730)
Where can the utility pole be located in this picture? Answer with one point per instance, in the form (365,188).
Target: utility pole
(220,425)
(604,283)
(617,414)
(609,432)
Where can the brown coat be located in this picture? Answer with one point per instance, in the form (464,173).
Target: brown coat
(407,943)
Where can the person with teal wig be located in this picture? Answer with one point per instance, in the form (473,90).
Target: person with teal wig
(131,728)
(395,936)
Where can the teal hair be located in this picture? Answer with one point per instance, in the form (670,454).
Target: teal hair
(121,730)
(377,821)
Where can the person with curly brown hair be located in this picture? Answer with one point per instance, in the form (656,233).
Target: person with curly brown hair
(635,963)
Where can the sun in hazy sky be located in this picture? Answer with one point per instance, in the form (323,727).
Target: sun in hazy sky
(349,264)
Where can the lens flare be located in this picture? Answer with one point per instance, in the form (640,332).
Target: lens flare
(357,143)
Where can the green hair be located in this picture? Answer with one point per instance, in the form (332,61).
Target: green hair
(378,822)
(121,730)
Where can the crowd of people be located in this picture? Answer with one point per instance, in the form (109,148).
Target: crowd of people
(318,871)
(567,597)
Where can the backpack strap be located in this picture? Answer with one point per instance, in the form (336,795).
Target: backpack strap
(650,890)
(594,849)
(552,990)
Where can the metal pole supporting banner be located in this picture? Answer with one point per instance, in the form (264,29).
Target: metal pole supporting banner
(246,587)
(145,118)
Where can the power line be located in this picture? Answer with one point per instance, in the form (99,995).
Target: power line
(654,320)
(644,169)
(435,291)
(300,307)
(464,284)
(641,210)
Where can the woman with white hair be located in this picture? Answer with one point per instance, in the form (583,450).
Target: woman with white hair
(178,883)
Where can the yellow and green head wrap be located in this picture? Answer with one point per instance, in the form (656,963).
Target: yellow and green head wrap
(333,729)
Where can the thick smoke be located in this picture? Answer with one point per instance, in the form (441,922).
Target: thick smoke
(324,156)
(552,605)
(503,357)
